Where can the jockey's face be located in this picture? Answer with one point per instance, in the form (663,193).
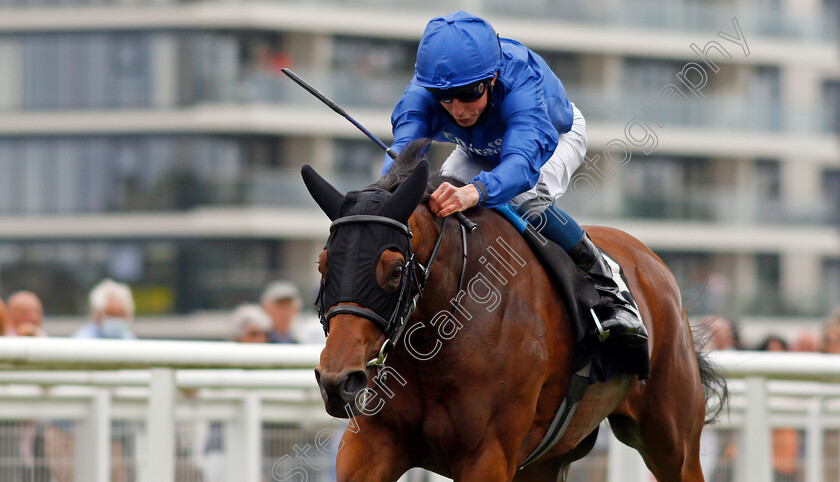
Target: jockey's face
(466,114)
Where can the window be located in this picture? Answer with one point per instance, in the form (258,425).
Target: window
(165,276)
(831,272)
(693,272)
(96,174)
(356,56)
(371,73)
(648,76)
(668,188)
(768,276)
(86,71)
(831,193)
(359,160)
(764,98)
(831,99)
(567,67)
(768,201)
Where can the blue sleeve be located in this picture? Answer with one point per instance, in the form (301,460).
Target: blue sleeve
(412,119)
(529,140)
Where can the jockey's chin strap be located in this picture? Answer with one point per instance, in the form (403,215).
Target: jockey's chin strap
(390,343)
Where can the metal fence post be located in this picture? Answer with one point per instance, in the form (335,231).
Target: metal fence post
(251,423)
(814,441)
(755,466)
(92,440)
(160,427)
(243,441)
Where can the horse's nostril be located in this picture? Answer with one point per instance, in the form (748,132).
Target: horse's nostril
(354,382)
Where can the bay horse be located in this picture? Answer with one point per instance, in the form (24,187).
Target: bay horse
(469,391)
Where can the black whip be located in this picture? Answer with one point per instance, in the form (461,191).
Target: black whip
(469,225)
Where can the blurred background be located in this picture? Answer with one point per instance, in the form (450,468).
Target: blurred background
(157,143)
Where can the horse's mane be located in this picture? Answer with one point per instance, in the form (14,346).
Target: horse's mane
(405,163)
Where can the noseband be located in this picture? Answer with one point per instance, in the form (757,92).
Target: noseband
(408,294)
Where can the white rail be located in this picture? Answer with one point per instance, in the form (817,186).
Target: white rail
(96,381)
(114,354)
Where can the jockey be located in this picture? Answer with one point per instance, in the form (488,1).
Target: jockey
(518,141)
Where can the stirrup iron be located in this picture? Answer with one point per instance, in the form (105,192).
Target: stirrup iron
(602,335)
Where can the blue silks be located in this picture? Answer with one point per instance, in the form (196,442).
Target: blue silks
(553,223)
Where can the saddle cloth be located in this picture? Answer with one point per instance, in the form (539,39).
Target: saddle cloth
(579,296)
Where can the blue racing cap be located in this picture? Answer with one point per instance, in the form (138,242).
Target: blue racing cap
(457,49)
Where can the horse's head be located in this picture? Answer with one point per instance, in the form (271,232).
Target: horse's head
(366,279)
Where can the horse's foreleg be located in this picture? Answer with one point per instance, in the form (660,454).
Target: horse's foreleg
(551,470)
(488,463)
(369,455)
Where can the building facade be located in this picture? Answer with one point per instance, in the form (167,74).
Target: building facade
(157,142)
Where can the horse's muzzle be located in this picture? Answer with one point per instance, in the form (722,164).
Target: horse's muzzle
(340,392)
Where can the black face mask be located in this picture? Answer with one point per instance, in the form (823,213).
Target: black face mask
(365,224)
(353,251)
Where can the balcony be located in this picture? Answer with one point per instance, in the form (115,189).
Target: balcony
(650,15)
(725,112)
(719,206)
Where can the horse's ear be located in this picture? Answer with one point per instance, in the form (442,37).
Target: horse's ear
(327,197)
(407,196)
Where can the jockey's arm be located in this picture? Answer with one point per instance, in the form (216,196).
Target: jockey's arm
(529,141)
(412,119)
(526,147)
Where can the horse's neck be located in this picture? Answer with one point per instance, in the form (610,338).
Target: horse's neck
(458,293)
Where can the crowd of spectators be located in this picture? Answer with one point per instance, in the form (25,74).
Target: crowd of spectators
(44,451)
(719,447)
(276,318)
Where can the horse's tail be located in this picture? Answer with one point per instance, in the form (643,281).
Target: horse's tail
(714,383)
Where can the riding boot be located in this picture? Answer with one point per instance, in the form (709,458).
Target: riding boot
(617,312)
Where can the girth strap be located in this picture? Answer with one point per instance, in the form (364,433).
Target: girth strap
(574,393)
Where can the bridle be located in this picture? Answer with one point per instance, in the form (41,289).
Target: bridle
(408,295)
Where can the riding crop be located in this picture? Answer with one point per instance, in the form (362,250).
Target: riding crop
(469,225)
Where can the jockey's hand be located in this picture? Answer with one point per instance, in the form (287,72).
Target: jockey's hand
(448,199)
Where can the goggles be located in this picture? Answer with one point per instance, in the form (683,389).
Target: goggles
(465,93)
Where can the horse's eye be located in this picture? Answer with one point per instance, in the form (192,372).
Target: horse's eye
(397,272)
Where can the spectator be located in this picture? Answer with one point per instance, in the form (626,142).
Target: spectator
(718,447)
(831,344)
(831,334)
(785,440)
(722,333)
(111,312)
(806,341)
(281,301)
(111,309)
(22,442)
(773,343)
(5,322)
(26,315)
(250,324)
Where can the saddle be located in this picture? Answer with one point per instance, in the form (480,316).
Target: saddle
(579,296)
